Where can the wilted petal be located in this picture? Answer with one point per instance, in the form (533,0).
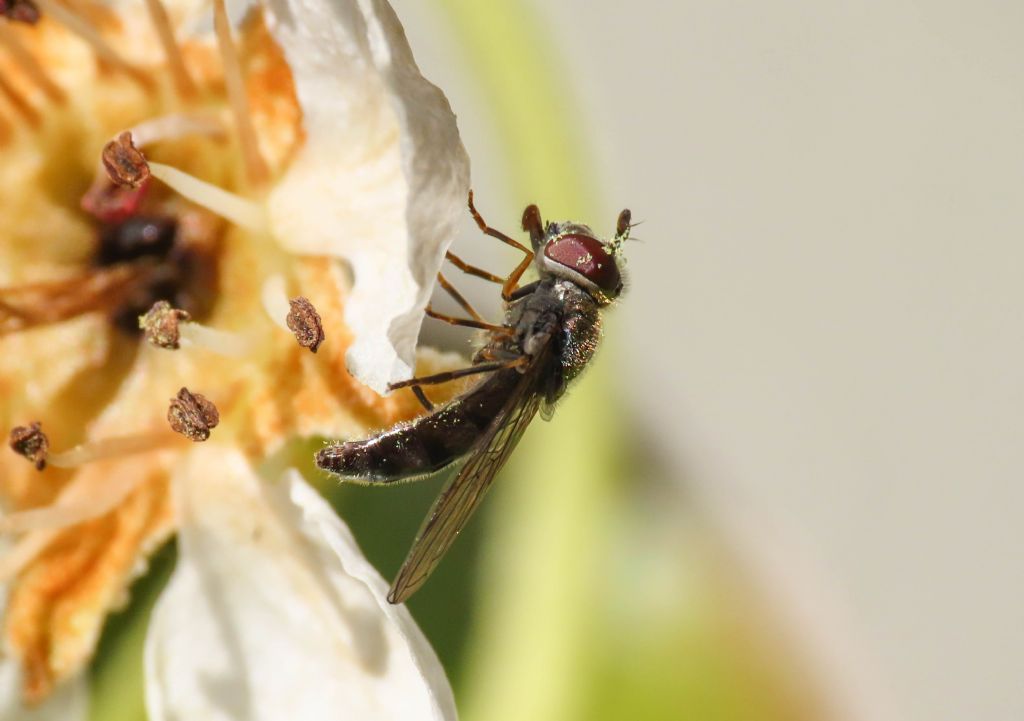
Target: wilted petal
(273,612)
(382,177)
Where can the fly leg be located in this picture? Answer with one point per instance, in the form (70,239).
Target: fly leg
(489,367)
(466,322)
(491,353)
(472,269)
(488,230)
(459,298)
(422,398)
(487,353)
(510,284)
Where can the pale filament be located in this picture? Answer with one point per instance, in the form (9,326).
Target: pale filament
(115,447)
(78,501)
(183,82)
(231,207)
(194,335)
(31,67)
(68,511)
(162,128)
(239,100)
(174,127)
(90,35)
(275,301)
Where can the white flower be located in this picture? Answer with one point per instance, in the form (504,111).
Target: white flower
(272,611)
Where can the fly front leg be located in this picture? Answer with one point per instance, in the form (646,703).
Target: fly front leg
(508,286)
(511,284)
(488,230)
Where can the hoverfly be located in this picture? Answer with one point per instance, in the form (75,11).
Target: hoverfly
(551,329)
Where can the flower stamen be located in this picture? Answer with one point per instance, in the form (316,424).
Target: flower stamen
(110,203)
(234,82)
(78,501)
(125,166)
(81,27)
(31,442)
(171,328)
(32,68)
(183,82)
(161,325)
(192,415)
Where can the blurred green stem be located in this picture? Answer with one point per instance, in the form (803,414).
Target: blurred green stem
(532,641)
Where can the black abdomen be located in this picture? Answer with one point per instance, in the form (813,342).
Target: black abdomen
(427,444)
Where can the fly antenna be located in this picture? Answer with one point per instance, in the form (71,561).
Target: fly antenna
(622,228)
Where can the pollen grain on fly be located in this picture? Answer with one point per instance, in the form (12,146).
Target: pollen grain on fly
(30,441)
(304,321)
(192,415)
(125,164)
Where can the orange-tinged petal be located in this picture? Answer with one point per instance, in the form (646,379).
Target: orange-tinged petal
(56,609)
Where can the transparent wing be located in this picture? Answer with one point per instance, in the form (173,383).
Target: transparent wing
(464,492)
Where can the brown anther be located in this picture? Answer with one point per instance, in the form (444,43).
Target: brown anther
(160,325)
(31,442)
(124,163)
(305,323)
(192,415)
(20,11)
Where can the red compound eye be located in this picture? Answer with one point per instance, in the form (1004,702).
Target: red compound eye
(588,257)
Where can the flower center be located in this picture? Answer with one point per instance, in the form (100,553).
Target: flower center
(174,262)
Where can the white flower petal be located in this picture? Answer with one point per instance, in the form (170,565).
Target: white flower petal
(273,613)
(382,177)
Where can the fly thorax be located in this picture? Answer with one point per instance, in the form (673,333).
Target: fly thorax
(581,329)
